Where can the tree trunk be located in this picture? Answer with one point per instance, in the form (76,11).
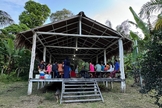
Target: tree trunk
(2,70)
(9,66)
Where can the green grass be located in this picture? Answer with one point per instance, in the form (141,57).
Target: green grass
(14,95)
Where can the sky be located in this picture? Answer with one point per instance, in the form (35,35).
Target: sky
(115,11)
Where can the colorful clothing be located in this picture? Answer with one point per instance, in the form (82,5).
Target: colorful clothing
(66,68)
(91,67)
(60,67)
(49,69)
(116,69)
(98,67)
(102,67)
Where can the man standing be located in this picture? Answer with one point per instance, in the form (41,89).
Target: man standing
(41,66)
(66,68)
(55,69)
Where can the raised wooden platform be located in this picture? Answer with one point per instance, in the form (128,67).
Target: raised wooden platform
(77,79)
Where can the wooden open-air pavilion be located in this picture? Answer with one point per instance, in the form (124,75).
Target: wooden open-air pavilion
(78,35)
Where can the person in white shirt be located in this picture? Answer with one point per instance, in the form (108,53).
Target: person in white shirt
(111,67)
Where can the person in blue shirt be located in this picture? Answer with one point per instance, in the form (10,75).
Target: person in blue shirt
(116,69)
(55,70)
(66,68)
(102,67)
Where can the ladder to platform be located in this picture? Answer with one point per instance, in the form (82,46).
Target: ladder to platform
(80,91)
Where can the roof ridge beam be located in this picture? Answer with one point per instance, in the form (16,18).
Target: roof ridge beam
(74,47)
(75,35)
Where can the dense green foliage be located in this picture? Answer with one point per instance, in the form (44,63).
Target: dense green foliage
(151,67)
(12,59)
(149,62)
(16,28)
(60,15)
(35,14)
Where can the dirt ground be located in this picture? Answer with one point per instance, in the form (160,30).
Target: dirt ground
(14,95)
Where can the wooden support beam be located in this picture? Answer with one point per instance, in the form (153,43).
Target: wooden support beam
(97,59)
(44,54)
(32,64)
(71,54)
(107,47)
(105,57)
(43,45)
(74,47)
(121,59)
(75,35)
(50,59)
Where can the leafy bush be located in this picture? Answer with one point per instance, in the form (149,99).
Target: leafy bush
(9,77)
(152,67)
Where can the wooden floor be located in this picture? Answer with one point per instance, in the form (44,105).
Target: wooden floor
(77,79)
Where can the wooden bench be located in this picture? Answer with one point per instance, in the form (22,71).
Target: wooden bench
(99,74)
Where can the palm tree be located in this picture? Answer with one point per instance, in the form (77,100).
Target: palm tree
(124,28)
(5,18)
(108,23)
(152,6)
(158,22)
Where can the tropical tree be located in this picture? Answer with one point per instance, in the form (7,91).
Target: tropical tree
(9,54)
(151,68)
(5,18)
(140,24)
(16,28)
(108,23)
(15,56)
(124,28)
(60,15)
(153,6)
(8,50)
(35,14)
(158,22)
(151,61)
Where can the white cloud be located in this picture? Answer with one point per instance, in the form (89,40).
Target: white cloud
(16,2)
(13,8)
(119,12)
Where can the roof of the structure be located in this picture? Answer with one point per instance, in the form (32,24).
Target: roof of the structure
(71,26)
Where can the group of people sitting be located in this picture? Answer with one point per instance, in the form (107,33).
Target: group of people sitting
(109,67)
(61,69)
(64,70)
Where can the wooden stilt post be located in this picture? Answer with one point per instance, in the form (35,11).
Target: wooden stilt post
(105,57)
(30,84)
(97,59)
(121,58)
(105,64)
(50,59)
(44,54)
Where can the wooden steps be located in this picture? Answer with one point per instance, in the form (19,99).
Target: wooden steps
(80,91)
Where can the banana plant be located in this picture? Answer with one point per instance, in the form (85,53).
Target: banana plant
(140,24)
(9,50)
(135,37)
